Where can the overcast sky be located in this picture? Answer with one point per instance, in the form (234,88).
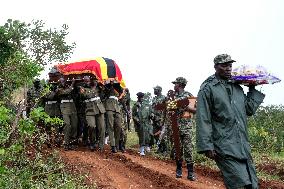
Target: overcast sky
(155,41)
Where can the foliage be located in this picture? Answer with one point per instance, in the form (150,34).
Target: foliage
(24,163)
(266,129)
(25,49)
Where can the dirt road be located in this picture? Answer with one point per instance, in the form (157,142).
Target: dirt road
(129,170)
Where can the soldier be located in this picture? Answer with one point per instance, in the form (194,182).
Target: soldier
(185,129)
(222,133)
(141,113)
(127,103)
(34,96)
(94,113)
(69,113)
(82,129)
(158,119)
(113,115)
(52,108)
(124,118)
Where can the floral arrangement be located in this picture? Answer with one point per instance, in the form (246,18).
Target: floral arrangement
(258,75)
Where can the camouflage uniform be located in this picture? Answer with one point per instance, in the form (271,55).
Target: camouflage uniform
(124,115)
(185,131)
(94,115)
(69,113)
(158,117)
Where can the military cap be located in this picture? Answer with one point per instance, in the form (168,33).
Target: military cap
(223,58)
(158,87)
(36,80)
(140,94)
(180,80)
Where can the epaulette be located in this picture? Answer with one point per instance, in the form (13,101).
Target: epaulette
(210,80)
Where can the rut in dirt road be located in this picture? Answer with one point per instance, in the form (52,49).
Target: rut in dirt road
(129,170)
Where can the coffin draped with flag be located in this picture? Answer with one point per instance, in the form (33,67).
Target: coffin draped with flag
(102,69)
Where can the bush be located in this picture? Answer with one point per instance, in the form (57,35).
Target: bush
(266,129)
(24,162)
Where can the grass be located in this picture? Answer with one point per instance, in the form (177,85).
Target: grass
(259,159)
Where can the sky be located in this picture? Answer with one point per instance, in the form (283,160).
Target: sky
(155,41)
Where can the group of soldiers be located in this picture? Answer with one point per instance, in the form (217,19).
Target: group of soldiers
(154,125)
(91,111)
(221,120)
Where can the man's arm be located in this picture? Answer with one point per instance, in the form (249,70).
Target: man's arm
(253,100)
(204,140)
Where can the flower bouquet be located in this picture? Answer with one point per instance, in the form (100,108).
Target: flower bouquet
(258,75)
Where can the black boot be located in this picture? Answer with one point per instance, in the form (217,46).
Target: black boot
(113,149)
(179,169)
(121,146)
(191,175)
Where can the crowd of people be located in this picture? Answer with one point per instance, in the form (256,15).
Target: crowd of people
(94,113)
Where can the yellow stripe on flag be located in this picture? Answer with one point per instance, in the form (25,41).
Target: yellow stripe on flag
(103,66)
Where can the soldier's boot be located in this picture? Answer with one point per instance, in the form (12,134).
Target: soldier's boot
(121,146)
(179,169)
(191,175)
(113,149)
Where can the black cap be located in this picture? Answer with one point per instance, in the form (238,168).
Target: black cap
(140,94)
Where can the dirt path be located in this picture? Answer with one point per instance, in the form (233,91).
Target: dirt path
(129,170)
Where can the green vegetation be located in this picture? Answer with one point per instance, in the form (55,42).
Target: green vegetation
(266,132)
(25,162)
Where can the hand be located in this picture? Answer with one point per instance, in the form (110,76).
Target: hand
(211,154)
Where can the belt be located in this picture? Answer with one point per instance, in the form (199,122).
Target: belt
(51,102)
(113,97)
(92,99)
(63,101)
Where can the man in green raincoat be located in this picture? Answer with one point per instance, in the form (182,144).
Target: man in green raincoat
(221,132)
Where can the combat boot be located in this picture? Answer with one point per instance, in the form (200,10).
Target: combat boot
(191,175)
(113,149)
(179,169)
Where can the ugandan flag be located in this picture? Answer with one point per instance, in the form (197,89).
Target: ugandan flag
(103,68)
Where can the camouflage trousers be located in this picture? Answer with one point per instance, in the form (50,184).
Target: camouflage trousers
(185,135)
(123,131)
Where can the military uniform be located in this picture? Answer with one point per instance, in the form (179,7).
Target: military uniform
(222,110)
(34,96)
(124,116)
(95,111)
(113,116)
(69,113)
(52,108)
(82,128)
(158,117)
(141,113)
(185,130)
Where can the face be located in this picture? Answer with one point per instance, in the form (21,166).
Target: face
(62,81)
(224,71)
(177,87)
(87,80)
(140,99)
(156,91)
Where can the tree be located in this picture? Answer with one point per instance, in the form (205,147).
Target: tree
(26,48)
